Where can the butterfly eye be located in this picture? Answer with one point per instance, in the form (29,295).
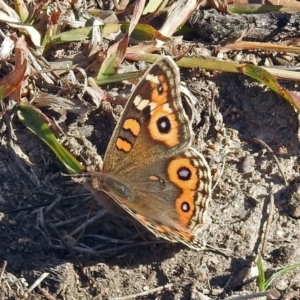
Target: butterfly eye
(111,185)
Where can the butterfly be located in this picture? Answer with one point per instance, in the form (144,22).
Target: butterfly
(150,168)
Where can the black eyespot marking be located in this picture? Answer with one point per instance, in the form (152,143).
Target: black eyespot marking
(163,125)
(160,89)
(185,207)
(184,173)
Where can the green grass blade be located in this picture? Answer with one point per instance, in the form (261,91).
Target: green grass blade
(280,272)
(261,274)
(34,121)
(266,78)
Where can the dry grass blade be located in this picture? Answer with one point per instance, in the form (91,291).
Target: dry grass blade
(244,45)
(21,9)
(153,7)
(178,14)
(116,52)
(28,29)
(248,6)
(6,47)
(37,282)
(11,83)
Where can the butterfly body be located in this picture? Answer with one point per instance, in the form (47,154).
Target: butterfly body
(150,168)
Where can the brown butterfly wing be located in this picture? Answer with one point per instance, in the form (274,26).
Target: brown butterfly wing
(153,124)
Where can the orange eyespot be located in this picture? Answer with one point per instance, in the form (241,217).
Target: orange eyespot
(183,173)
(159,93)
(185,207)
(163,127)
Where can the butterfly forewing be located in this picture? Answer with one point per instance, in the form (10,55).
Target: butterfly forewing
(154,123)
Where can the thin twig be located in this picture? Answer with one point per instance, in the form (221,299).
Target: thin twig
(3,270)
(46,294)
(61,238)
(246,297)
(53,204)
(274,156)
(83,229)
(109,251)
(222,171)
(89,222)
(77,249)
(70,221)
(269,220)
(43,204)
(152,291)
(125,247)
